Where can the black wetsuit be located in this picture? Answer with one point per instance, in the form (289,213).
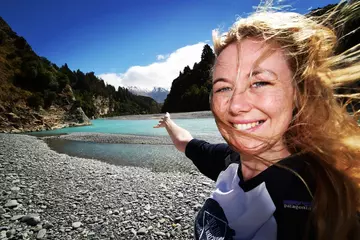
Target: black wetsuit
(275,204)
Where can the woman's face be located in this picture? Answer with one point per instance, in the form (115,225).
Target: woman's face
(253,93)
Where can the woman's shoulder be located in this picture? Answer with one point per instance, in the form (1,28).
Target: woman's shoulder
(293,196)
(291,183)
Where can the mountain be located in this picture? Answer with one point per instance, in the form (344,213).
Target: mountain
(157,93)
(34,95)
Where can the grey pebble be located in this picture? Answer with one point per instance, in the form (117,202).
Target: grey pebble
(17,217)
(31,219)
(41,234)
(206,184)
(4,228)
(142,231)
(160,233)
(11,204)
(38,228)
(133,231)
(180,195)
(15,189)
(197,207)
(76,224)
(48,225)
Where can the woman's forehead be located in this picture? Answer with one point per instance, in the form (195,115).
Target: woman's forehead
(249,54)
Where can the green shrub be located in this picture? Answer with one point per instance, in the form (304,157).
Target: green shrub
(35,101)
(49,99)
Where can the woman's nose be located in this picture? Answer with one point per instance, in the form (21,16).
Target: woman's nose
(239,102)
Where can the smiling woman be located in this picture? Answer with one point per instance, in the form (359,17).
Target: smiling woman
(251,95)
(290,168)
(273,99)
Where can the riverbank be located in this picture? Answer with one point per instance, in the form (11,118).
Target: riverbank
(49,195)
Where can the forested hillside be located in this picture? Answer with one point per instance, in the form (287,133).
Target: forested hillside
(35,94)
(190,90)
(99,99)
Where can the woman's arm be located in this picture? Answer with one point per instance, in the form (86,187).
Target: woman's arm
(208,158)
(180,136)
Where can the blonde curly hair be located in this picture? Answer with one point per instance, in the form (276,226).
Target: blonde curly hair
(321,125)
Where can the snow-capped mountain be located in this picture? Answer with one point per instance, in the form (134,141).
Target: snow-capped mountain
(157,93)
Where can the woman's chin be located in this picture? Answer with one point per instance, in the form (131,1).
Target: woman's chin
(247,146)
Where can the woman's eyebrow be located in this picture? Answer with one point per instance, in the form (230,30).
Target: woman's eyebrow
(259,69)
(220,80)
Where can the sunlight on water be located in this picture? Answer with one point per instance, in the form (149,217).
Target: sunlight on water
(204,126)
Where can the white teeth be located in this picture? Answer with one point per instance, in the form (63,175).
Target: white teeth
(246,126)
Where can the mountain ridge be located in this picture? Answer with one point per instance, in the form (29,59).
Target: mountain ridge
(157,93)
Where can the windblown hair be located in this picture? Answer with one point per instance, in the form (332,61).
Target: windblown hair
(321,125)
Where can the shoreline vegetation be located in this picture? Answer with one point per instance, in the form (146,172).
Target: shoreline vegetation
(49,195)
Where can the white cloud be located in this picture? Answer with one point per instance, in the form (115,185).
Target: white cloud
(157,74)
(280,1)
(309,8)
(160,57)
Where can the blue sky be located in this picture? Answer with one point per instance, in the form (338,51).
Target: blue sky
(140,43)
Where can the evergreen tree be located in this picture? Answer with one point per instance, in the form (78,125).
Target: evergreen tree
(190,90)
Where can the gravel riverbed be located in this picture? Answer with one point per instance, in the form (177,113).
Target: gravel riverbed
(46,195)
(130,139)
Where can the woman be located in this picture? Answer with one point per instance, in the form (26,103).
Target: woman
(274,104)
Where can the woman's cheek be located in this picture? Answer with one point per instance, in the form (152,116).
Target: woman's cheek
(222,105)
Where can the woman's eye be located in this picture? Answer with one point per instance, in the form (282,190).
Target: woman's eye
(223,89)
(259,84)
(262,78)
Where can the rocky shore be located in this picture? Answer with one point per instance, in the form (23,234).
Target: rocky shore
(46,195)
(29,120)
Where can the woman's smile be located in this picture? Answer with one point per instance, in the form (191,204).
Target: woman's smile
(250,126)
